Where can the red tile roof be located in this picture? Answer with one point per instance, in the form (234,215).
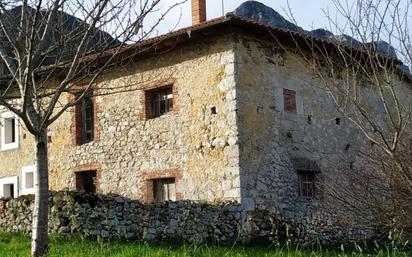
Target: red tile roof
(228,19)
(238,20)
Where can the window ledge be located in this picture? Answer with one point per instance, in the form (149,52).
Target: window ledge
(85,144)
(166,115)
(11,146)
(28,191)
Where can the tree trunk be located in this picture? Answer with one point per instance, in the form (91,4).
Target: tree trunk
(39,242)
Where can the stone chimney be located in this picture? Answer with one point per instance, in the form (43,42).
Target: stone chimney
(198,11)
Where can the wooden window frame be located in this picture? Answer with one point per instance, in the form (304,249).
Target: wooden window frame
(307,184)
(85,112)
(158,187)
(154,99)
(149,176)
(146,98)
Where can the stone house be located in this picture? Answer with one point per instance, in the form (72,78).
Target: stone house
(213,112)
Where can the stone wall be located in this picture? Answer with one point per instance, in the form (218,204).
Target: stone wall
(227,138)
(59,135)
(199,145)
(11,166)
(119,218)
(116,217)
(273,140)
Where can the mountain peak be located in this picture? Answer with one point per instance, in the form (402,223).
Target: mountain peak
(261,13)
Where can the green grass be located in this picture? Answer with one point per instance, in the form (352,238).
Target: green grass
(15,245)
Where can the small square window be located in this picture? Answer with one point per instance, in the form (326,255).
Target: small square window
(306,184)
(8,190)
(29,181)
(8,187)
(86,181)
(289,100)
(10,131)
(164,190)
(159,101)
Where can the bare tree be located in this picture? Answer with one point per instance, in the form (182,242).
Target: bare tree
(369,193)
(46,49)
(369,82)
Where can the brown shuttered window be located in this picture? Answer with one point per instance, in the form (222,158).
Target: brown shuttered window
(84,120)
(289,100)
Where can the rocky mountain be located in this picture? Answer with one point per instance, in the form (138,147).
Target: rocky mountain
(322,33)
(63,25)
(264,14)
(261,13)
(383,48)
(326,34)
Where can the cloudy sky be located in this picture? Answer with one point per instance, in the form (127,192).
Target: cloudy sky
(308,13)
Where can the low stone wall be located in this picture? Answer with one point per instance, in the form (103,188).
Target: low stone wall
(116,217)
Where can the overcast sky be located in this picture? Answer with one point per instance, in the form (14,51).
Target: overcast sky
(308,13)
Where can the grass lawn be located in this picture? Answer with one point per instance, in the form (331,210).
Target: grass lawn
(14,245)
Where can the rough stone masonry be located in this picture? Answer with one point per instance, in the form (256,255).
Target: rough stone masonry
(118,218)
(247,116)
